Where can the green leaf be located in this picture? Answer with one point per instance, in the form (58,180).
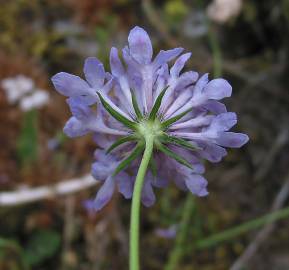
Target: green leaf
(12,254)
(119,142)
(135,106)
(180,142)
(43,245)
(27,145)
(134,154)
(157,104)
(174,155)
(116,114)
(174,119)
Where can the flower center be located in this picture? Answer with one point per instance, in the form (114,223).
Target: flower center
(148,128)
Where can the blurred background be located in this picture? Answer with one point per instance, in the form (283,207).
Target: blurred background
(46,216)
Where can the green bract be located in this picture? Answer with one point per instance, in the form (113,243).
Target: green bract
(148,126)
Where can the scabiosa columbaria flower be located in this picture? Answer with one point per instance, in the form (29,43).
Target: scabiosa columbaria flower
(145,96)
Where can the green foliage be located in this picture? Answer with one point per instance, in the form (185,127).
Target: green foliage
(10,249)
(250,12)
(176,10)
(27,146)
(103,34)
(43,245)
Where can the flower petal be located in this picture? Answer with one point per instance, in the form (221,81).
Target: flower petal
(197,184)
(201,83)
(212,152)
(215,107)
(179,64)
(193,122)
(75,128)
(186,79)
(140,46)
(78,109)
(104,166)
(232,139)
(218,89)
(160,182)
(148,197)
(162,75)
(125,184)
(105,193)
(85,100)
(70,85)
(179,102)
(104,140)
(166,56)
(94,72)
(115,63)
(223,121)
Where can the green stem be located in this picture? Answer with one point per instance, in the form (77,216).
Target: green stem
(216,51)
(178,250)
(241,229)
(135,208)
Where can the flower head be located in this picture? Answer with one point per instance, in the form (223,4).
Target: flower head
(145,96)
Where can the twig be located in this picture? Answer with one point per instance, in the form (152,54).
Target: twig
(279,143)
(68,229)
(29,195)
(265,232)
(256,79)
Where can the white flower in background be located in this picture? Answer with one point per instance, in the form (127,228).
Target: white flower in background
(16,87)
(22,89)
(37,100)
(222,10)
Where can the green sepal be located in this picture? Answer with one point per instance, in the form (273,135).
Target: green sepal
(119,142)
(180,142)
(174,119)
(133,155)
(116,114)
(135,106)
(174,155)
(157,105)
(153,166)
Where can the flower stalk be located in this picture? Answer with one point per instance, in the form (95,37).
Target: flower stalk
(136,200)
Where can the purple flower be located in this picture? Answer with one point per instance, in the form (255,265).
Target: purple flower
(168,233)
(142,93)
